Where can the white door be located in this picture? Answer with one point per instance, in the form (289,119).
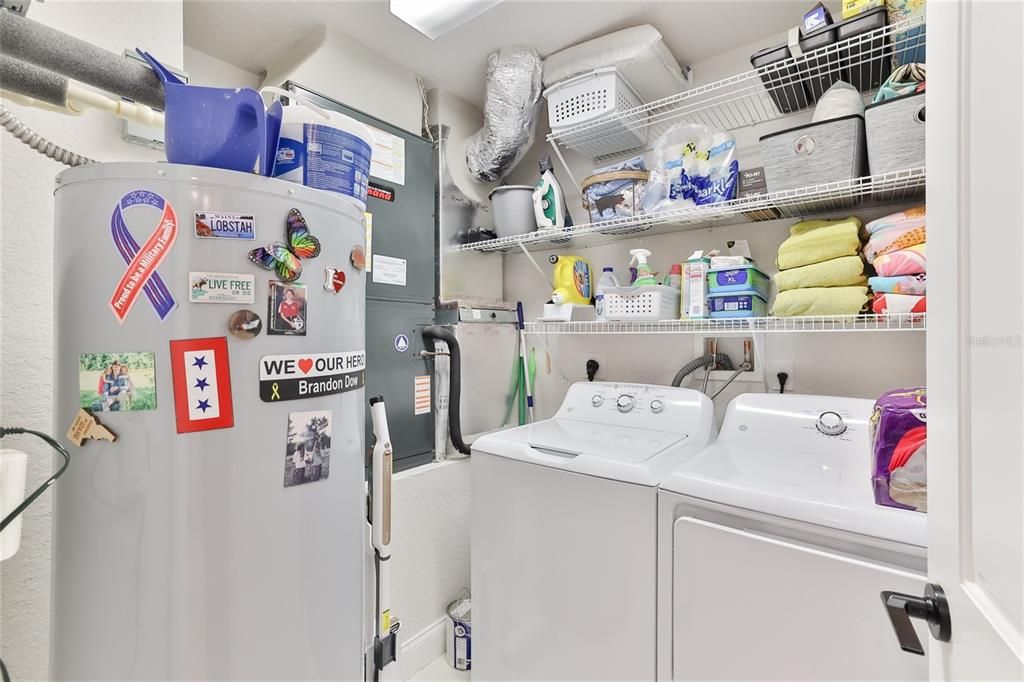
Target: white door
(975,227)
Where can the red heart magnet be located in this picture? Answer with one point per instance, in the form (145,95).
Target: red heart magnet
(335,280)
(305,364)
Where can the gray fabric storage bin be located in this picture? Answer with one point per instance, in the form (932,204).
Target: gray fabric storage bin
(813,154)
(895,132)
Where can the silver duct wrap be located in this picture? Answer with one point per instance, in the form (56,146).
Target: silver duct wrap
(510,113)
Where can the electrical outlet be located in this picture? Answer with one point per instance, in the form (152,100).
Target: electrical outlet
(773,376)
(602,367)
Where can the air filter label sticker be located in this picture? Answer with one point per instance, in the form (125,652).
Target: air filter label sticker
(212,225)
(294,377)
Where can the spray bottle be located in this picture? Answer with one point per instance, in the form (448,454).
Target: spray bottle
(644,276)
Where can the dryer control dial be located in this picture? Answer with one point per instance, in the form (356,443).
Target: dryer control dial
(625,403)
(831,424)
(597,400)
(657,406)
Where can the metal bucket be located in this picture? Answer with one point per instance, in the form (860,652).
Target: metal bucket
(459,634)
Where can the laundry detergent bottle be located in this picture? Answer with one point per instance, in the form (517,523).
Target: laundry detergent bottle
(607,281)
(572,280)
(644,276)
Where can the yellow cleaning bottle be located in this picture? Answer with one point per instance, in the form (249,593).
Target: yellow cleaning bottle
(572,279)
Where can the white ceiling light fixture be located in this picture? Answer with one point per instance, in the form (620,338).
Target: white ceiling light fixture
(434,18)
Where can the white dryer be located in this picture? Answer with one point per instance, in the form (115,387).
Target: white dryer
(773,553)
(564,537)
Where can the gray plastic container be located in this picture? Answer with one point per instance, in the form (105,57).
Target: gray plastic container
(788,89)
(870,61)
(895,133)
(512,208)
(815,154)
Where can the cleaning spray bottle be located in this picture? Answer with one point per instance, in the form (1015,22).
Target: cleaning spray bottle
(644,276)
(549,207)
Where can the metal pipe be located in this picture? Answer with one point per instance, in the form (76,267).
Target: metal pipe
(745,367)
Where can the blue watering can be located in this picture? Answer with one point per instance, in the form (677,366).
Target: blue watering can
(216,127)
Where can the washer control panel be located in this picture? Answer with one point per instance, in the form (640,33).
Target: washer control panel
(831,423)
(663,408)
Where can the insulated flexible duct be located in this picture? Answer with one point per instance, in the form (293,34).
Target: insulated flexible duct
(510,114)
(57,51)
(11,124)
(430,334)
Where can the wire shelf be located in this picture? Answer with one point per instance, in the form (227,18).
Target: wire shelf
(876,190)
(828,323)
(763,94)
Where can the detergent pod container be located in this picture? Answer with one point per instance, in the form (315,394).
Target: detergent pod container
(572,279)
(323,149)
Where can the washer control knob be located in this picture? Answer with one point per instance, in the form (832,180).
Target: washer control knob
(657,406)
(625,403)
(597,400)
(831,424)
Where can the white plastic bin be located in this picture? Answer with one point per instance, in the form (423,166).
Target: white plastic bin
(650,303)
(591,96)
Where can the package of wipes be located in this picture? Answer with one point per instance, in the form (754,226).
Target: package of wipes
(899,437)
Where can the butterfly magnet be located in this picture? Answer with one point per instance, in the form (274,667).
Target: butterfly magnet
(285,259)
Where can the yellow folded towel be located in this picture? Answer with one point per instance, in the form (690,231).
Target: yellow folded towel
(838,272)
(816,241)
(820,301)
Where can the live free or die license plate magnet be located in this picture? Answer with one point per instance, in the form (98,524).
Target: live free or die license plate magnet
(294,377)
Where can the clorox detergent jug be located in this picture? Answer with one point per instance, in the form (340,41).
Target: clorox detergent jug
(572,280)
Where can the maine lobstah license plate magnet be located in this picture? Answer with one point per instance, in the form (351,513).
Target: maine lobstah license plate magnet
(294,377)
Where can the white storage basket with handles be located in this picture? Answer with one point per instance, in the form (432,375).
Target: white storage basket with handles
(592,96)
(651,303)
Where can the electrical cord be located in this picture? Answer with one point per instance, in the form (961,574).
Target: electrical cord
(11,124)
(17,430)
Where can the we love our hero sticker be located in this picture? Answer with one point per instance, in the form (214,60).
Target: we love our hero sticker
(295,377)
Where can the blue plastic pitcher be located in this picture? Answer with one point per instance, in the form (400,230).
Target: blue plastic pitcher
(214,127)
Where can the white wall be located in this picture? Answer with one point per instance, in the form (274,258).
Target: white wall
(26,308)
(338,67)
(204,69)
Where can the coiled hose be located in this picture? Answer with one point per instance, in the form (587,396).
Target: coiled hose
(430,334)
(724,362)
(48,149)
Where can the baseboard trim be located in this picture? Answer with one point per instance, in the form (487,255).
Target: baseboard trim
(417,652)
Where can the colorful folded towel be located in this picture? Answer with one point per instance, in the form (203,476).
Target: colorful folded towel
(915,285)
(908,233)
(893,219)
(884,304)
(820,301)
(816,241)
(838,272)
(908,261)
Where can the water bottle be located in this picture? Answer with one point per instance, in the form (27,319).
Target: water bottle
(607,281)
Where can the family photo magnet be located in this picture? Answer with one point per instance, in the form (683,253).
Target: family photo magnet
(117,382)
(293,377)
(334,280)
(142,262)
(286,309)
(245,324)
(85,426)
(214,225)
(307,454)
(221,287)
(202,384)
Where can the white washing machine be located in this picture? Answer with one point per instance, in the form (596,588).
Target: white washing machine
(773,553)
(564,537)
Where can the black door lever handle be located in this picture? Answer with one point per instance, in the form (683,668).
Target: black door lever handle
(932,608)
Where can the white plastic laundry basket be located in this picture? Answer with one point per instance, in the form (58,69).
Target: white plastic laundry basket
(656,302)
(589,97)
